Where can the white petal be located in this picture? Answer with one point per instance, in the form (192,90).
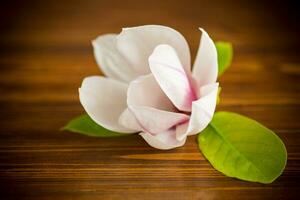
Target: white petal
(104,100)
(111,62)
(181,130)
(205,69)
(137,43)
(128,120)
(154,121)
(165,140)
(172,78)
(145,91)
(202,110)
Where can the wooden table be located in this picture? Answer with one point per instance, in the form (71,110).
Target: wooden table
(45,53)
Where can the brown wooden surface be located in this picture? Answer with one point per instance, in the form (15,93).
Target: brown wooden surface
(46,52)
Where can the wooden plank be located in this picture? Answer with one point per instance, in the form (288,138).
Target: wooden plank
(45,52)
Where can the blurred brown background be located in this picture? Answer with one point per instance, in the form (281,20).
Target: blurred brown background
(45,52)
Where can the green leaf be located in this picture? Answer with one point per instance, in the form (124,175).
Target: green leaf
(85,125)
(225,54)
(243,148)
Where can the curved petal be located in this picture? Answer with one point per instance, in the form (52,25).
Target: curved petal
(202,110)
(145,91)
(172,78)
(111,62)
(205,69)
(104,100)
(181,130)
(154,121)
(137,43)
(128,120)
(165,140)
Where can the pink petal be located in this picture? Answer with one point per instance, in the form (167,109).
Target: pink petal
(155,121)
(164,140)
(205,69)
(137,43)
(111,62)
(171,76)
(145,91)
(202,110)
(104,100)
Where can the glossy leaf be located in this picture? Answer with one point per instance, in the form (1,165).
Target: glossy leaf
(86,126)
(225,54)
(242,148)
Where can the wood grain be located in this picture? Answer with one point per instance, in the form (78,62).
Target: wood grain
(45,52)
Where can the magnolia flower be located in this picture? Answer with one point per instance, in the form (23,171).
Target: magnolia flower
(150,88)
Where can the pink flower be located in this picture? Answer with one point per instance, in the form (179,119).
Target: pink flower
(150,87)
